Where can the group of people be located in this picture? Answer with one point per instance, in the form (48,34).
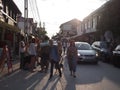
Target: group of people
(48,52)
(27,52)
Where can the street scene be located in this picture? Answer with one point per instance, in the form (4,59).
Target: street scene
(89,77)
(59,45)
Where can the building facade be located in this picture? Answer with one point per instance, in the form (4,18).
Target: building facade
(69,29)
(9,32)
(86,29)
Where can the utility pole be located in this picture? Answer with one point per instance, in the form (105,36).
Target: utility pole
(26,19)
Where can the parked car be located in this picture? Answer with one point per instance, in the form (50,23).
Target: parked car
(86,53)
(116,56)
(102,49)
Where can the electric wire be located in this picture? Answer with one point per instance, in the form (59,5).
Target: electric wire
(37,10)
(34,10)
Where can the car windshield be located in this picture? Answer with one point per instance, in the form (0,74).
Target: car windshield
(84,47)
(117,48)
(77,45)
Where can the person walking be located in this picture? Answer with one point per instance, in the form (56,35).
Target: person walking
(45,52)
(72,58)
(54,58)
(33,53)
(22,53)
(9,58)
(64,44)
(6,57)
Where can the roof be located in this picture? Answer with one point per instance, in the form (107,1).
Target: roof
(12,3)
(73,21)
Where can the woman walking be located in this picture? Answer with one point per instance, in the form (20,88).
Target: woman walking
(72,58)
(33,53)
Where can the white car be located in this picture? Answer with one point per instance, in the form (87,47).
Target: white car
(86,53)
(102,49)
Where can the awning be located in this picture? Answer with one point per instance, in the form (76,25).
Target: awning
(10,27)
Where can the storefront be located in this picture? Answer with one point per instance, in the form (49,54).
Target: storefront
(9,34)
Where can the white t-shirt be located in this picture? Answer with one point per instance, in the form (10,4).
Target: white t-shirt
(22,49)
(32,49)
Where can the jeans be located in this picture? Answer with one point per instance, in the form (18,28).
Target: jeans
(53,64)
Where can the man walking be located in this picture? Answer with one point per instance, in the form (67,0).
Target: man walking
(45,52)
(54,58)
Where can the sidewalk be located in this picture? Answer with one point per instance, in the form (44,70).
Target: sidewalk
(5,70)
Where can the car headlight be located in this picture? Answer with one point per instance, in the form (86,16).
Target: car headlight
(96,54)
(78,54)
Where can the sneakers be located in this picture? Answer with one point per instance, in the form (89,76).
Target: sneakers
(73,74)
(50,78)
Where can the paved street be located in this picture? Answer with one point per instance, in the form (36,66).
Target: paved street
(89,77)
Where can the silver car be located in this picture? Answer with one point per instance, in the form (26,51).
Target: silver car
(86,53)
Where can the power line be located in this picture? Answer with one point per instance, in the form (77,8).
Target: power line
(37,10)
(34,10)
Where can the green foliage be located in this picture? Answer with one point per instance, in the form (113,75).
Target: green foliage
(41,32)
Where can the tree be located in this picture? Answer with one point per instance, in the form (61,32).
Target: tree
(41,32)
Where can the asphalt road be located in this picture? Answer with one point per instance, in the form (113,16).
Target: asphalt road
(89,77)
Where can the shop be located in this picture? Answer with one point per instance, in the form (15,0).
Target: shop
(9,34)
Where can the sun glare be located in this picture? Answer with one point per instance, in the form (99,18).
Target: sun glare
(60,11)
(56,12)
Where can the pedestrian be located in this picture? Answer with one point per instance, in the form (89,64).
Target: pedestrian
(6,57)
(27,58)
(54,58)
(60,55)
(64,46)
(22,53)
(59,48)
(38,52)
(45,53)
(9,58)
(72,58)
(33,53)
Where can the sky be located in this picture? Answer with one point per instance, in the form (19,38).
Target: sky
(55,12)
